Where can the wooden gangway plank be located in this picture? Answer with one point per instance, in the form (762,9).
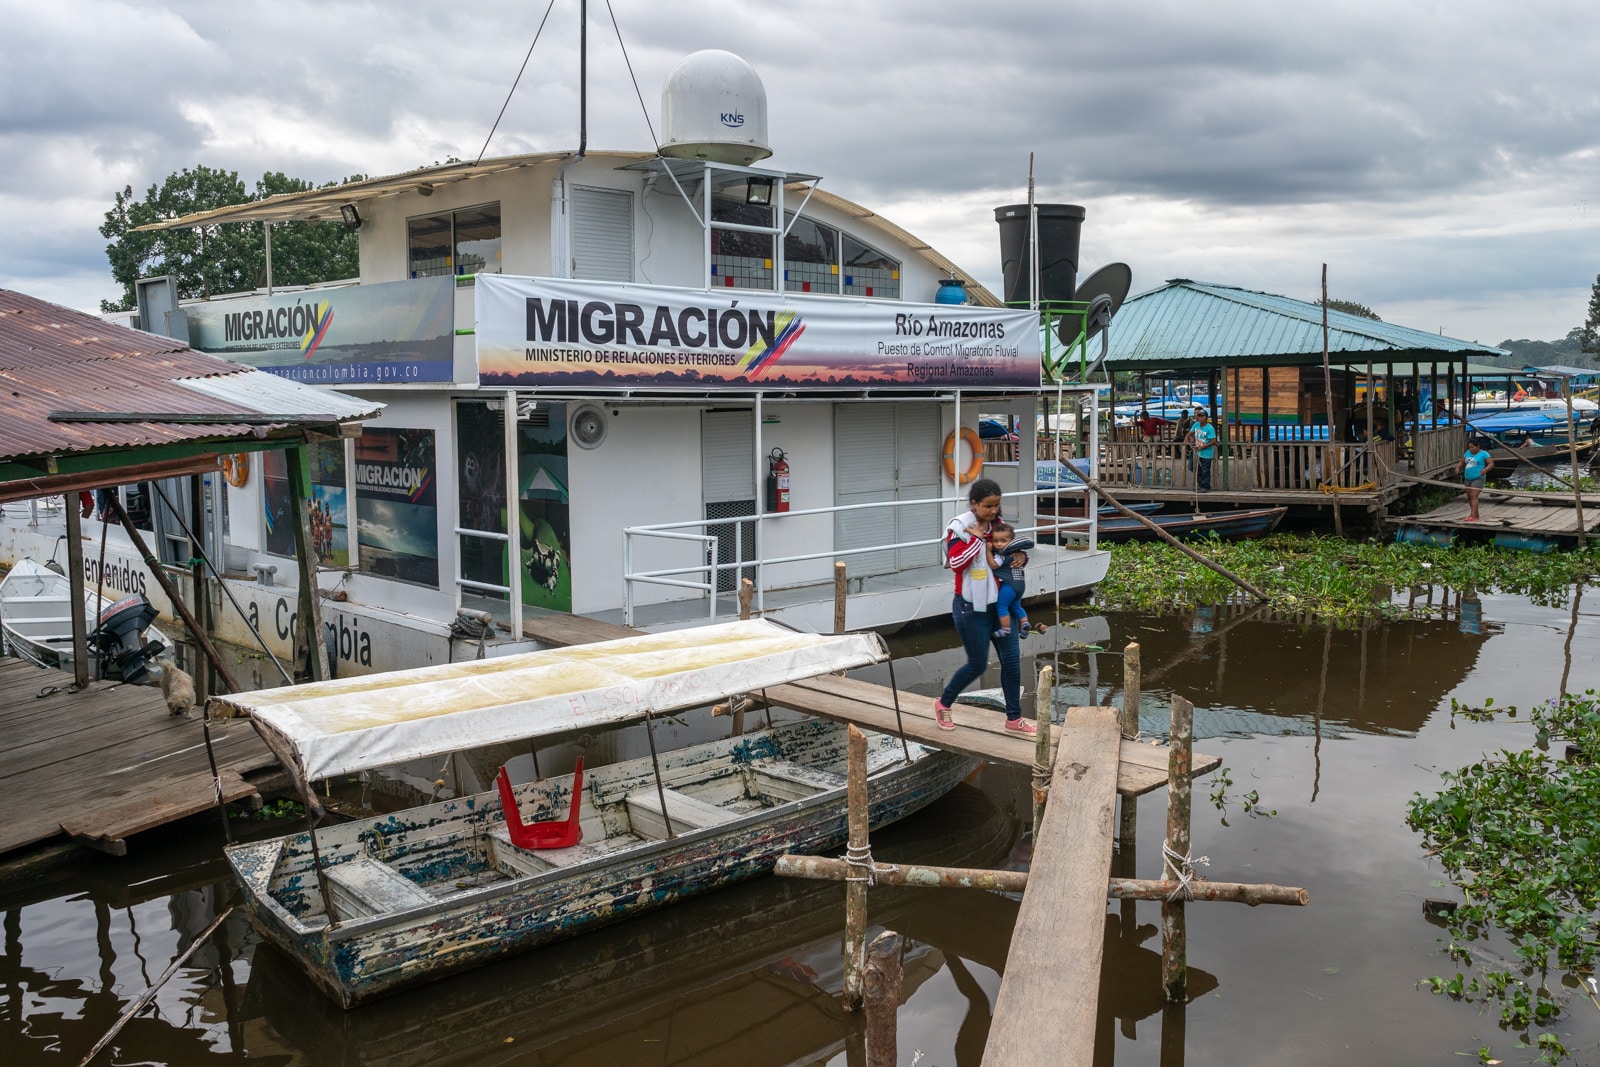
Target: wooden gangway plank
(979,732)
(1049,996)
(113,749)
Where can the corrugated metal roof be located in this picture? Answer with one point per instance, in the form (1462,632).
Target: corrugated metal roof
(1186,322)
(54,359)
(324,204)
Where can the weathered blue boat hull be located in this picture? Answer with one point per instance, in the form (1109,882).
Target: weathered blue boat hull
(360,959)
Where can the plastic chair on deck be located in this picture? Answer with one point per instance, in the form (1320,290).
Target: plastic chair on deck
(550,833)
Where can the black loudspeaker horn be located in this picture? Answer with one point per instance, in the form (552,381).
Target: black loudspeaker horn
(1060,226)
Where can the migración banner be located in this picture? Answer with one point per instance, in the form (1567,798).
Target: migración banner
(556,331)
(359,334)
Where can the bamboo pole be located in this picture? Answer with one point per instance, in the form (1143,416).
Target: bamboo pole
(839,592)
(197,572)
(1327,398)
(1043,697)
(923,876)
(747,593)
(1094,484)
(178,606)
(855,886)
(1572,452)
(882,987)
(310,600)
(1175,949)
(149,994)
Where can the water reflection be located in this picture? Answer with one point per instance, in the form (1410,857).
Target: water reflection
(1340,726)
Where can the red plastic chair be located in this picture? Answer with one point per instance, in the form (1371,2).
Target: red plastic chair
(551,833)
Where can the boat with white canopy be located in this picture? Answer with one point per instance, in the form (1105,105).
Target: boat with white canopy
(375,905)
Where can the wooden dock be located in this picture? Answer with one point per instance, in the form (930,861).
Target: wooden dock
(979,732)
(1555,519)
(99,765)
(1048,1002)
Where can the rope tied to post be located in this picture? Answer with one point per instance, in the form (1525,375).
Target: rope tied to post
(862,867)
(1181,868)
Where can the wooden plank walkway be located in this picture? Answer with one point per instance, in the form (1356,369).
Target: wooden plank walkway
(1553,519)
(979,732)
(111,759)
(1049,995)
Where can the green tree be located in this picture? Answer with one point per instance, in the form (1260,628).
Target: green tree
(1350,307)
(219,258)
(1589,339)
(305,253)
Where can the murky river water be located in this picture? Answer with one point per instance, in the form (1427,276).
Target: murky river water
(1334,729)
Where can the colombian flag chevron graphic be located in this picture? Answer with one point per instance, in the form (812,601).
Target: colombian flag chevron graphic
(761,357)
(321,319)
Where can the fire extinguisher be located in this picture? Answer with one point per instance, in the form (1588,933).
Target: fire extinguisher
(777,481)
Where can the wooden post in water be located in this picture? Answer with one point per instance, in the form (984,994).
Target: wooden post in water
(1572,454)
(80,625)
(1043,698)
(747,594)
(1128,824)
(860,858)
(883,1000)
(1327,397)
(839,591)
(1175,855)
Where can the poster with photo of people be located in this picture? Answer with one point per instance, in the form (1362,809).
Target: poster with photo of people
(328,507)
(397,521)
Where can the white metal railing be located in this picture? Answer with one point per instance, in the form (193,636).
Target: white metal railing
(713,567)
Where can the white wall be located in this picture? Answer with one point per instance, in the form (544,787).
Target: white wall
(646,471)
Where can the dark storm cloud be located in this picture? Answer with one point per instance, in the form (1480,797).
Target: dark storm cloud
(1259,133)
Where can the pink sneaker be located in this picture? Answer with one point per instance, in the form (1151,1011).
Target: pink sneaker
(1022,726)
(942,717)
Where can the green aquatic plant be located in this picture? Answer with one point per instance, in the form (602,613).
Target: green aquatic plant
(1331,578)
(1519,834)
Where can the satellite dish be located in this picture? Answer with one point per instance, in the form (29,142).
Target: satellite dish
(1104,291)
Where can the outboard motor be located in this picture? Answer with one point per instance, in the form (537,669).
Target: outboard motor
(122,651)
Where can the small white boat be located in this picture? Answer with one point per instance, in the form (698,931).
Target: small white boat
(36,619)
(369,907)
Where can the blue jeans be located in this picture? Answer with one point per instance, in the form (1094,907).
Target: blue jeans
(1202,474)
(977,630)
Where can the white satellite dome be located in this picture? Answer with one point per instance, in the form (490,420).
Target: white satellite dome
(713,106)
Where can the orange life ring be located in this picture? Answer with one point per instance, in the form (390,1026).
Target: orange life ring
(236,468)
(975,445)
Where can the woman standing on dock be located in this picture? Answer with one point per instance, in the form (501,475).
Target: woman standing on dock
(974,609)
(1473,466)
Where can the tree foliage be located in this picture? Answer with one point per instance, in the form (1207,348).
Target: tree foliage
(1589,335)
(220,258)
(1350,307)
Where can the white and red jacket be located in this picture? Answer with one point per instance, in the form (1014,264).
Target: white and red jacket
(968,557)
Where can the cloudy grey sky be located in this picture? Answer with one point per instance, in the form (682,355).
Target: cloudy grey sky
(1441,156)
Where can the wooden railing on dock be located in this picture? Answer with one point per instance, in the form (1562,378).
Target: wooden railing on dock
(1293,466)
(1437,449)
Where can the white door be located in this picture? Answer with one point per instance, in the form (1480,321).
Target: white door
(885,452)
(602,234)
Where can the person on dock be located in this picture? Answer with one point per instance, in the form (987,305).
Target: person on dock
(1203,439)
(1473,466)
(975,609)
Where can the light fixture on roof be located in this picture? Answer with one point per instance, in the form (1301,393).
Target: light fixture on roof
(758,191)
(352,217)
